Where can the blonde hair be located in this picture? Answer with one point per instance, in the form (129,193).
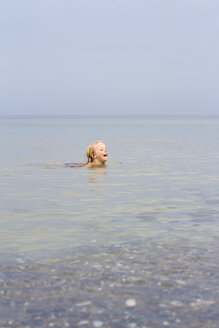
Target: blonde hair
(90,152)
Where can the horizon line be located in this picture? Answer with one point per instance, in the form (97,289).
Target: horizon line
(105,115)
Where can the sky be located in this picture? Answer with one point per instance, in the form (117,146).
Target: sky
(70,57)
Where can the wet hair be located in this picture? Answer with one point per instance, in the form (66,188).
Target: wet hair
(90,152)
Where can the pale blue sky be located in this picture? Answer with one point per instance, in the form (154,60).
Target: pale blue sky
(109,57)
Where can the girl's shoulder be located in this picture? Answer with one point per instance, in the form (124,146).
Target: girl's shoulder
(74,164)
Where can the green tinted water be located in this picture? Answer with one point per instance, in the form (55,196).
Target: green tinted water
(134,244)
(161,181)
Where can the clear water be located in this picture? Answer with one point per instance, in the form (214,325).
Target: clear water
(146,224)
(161,181)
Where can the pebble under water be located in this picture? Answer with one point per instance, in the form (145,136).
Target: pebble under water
(149,284)
(131,245)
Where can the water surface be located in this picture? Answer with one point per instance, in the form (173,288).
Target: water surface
(153,209)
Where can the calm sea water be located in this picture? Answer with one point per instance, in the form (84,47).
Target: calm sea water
(134,244)
(161,181)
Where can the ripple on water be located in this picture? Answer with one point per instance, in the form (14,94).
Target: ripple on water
(142,283)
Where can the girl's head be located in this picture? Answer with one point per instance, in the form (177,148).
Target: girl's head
(97,153)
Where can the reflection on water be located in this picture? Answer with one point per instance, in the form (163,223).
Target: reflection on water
(140,237)
(97,175)
(163,180)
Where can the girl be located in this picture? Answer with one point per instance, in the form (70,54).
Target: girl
(96,154)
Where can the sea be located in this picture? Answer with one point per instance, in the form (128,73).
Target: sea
(133,244)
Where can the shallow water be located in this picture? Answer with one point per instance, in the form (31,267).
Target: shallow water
(144,228)
(150,284)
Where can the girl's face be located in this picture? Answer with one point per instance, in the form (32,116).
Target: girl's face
(101,154)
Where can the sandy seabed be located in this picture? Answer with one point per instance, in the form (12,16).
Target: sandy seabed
(145,285)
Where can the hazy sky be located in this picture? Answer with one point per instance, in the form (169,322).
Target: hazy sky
(115,56)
